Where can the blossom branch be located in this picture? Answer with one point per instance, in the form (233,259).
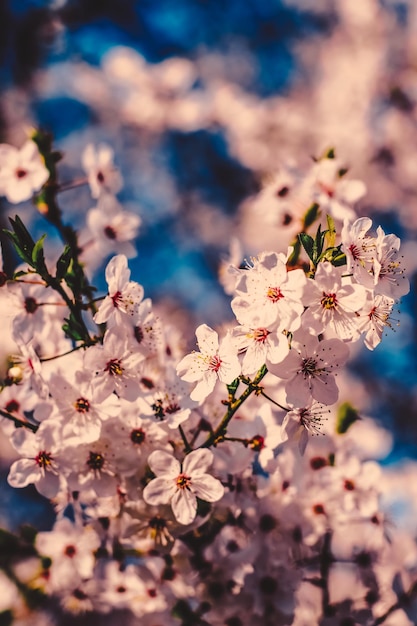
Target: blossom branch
(220,431)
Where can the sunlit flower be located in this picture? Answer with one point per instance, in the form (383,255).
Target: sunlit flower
(181,484)
(22,172)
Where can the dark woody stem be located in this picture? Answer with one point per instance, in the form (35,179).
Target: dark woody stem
(218,434)
(18,421)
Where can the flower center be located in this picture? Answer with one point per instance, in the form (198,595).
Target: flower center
(21,173)
(183,481)
(82,405)
(309,367)
(137,436)
(30,305)
(95,461)
(214,363)
(117,298)
(274,294)
(329,301)
(70,551)
(260,335)
(100,177)
(43,459)
(110,232)
(114,367)
(284,191)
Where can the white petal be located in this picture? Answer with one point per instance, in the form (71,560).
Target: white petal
(197,462)
(184,506)
(164,464)
(159,491)
(207,487)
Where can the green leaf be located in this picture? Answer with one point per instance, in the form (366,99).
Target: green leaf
(233,386)
(311,215)
(73,329)
(308,244)
(318,244)
(339,260)
(38,257)
(346,416)
(63,263)
(331,232)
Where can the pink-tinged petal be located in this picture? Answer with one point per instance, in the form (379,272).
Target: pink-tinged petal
(191,367)
(23,472)
(207,339)
(104,485)
(352,297)
(48,485)
(207,487)
(164,464)
(159,491)
(117,273)
(302,441)
(298,391)
(204,387)
(278,348)
(352,190)
(288,367)
(333,352)
(230,369)
(328,278)
(197,462)
(324,389)
(184,506)
(105,310)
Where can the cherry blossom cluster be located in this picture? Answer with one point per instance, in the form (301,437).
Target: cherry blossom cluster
(195,489)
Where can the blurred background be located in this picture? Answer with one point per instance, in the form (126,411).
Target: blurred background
(203,102)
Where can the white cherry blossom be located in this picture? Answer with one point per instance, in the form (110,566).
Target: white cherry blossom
(332,303)
(181,484)
(389,276)
(111,228)
(115,368)
(214,362)
(299,423)
(22,172)
(41,465)
(360,250)
(124,295)
(267,293)
(375,318)
(103,176)
(334,193)
(309,369)
(260,345)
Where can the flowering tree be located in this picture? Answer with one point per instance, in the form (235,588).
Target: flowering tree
(194,489)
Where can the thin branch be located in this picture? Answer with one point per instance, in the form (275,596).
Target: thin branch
(19,422)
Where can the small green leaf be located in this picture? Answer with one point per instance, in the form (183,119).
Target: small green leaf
(308,244)
(331,232)
(311,215)
(73,329)
(318,244)
(233,386)
(346,416)
(37,252)
(63,263)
